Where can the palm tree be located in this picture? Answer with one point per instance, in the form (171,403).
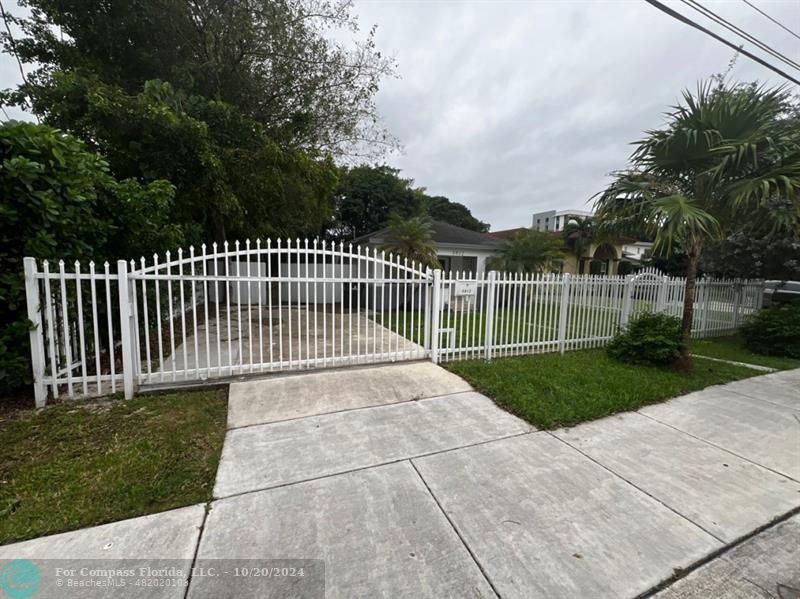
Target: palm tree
(579,234)
(529,251)
(726,154)
(411,238)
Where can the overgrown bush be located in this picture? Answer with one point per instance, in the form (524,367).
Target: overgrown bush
(648,339)
(775,331)
(58,201)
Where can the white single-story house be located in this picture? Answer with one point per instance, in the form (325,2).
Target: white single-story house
(457,249)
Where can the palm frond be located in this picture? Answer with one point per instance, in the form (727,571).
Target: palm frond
(411,238)
(680,220)
(724,153)
(528,252)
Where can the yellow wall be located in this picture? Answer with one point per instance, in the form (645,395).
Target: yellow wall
(570,262)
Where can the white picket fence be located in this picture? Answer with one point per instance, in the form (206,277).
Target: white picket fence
(507,314)
(266,307)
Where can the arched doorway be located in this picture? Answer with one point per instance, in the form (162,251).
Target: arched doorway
(602,259)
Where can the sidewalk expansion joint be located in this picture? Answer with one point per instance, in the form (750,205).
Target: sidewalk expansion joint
(346,410)
(377,465)
(455,529)
(638,488)
(206,509)
(725,449)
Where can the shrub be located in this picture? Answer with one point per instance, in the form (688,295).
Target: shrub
(48,187)
(648,339)
(775,331)
(58,201)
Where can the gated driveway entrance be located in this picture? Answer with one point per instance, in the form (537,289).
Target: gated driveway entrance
(257,308)
(266,309)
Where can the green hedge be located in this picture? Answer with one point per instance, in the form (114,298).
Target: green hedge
(775,331)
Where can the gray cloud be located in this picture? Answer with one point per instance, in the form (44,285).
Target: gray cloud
(515,107)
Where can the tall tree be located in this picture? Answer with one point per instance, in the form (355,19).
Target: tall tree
(275,60)
(368,195)
(455,213)
(528,252)
(750,252)
(725,154)
(579,233)
(232,180)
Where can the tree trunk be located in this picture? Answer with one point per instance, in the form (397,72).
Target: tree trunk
(693,256)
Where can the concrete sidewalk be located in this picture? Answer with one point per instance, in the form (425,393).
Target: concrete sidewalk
(399,481)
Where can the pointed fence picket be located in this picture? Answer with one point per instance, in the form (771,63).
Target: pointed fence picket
(239,309)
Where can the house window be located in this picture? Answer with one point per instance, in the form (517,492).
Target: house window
(458,263)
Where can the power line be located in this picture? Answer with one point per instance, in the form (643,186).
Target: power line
(11,42)
(13,45)
(707,12)
(676,15)
(778,23)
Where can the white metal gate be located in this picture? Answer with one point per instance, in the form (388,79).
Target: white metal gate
(221,312)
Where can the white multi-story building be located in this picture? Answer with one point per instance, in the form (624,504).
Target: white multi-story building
(556,220)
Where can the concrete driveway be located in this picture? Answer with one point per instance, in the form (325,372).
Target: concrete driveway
(253,342)
(401,481)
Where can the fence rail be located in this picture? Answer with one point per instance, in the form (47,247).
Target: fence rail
(254,308)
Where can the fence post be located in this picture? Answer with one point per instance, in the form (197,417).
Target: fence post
(661,302)
(488,337)
(36,332)
(428,309)
(627,292)
(125,318)
(737,303)
(562,313)
(706,302)
(435,310)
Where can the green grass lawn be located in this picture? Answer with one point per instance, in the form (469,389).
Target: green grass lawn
(733,348)
(537,322)
(80,464)
(553,390)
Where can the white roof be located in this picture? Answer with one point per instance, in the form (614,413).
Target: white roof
(574,213)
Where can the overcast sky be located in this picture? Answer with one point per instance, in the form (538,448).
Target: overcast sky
(517,107)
